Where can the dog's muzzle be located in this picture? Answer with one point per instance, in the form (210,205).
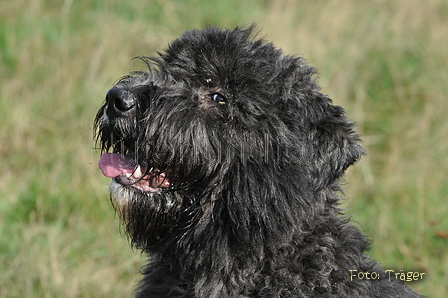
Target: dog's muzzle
(123,166)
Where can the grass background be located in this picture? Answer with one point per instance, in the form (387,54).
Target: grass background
(385,61)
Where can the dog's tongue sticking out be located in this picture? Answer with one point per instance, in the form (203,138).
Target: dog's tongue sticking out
(129,172)
(113,165)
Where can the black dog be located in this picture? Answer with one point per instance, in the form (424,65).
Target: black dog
(225,167)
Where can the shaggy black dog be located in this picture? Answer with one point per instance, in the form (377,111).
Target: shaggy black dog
(226,157)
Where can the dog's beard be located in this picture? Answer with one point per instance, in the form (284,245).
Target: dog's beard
(151,218)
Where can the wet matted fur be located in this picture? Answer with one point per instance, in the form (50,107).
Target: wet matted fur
(225,164)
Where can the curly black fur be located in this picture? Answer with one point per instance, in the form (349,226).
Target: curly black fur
(241,153)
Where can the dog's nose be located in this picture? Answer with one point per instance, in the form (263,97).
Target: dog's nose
(120,101)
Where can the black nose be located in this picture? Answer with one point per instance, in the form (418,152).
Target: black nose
(120,101)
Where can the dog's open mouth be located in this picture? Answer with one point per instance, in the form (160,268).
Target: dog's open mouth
(125,170)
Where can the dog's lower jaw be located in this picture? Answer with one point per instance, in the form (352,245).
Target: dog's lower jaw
(151,220)
(122,196)
(119,196)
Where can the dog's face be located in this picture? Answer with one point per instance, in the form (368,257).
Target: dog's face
(221,131)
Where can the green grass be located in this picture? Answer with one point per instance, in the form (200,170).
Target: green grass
(384,61)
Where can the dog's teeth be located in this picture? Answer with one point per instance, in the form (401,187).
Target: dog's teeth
(138,171)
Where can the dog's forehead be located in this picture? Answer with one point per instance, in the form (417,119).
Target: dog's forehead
(217,56)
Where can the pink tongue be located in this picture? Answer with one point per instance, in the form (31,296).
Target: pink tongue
(113,165)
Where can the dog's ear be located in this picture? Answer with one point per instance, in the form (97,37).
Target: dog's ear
(334,142)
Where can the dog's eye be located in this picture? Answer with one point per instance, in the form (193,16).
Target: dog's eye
(218,98)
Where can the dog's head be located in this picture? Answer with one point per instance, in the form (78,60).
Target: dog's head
(223,133)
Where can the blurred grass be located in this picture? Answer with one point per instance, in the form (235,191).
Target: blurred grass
(385,61)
